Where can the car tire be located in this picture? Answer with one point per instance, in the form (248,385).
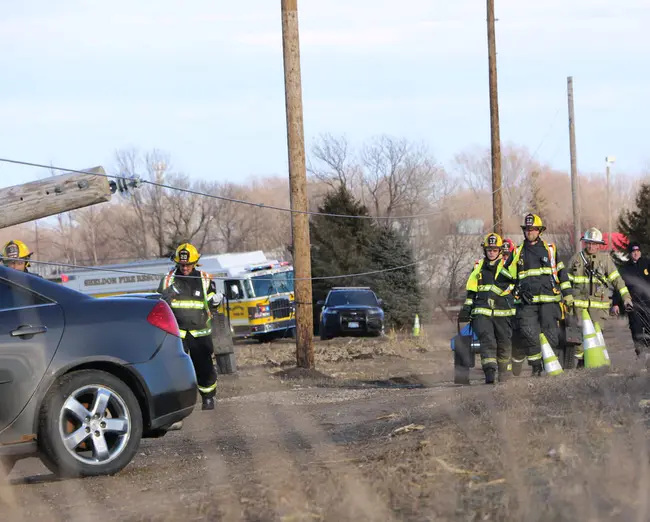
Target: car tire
(112,424)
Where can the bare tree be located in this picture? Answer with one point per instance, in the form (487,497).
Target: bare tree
(158,167)
(335,162)
(133,228)
(160,217)
(94,235)
(188,216)
(474,167)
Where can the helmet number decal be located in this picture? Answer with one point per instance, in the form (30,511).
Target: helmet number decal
(12,251)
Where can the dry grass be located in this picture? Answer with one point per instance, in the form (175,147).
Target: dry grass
(573,448)
(282,353)
(317,449)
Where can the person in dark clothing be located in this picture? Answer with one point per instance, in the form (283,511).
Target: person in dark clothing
(540,284)
(636,274)
(189,293)
(489,305)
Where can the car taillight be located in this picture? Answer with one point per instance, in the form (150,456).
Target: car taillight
(161,316)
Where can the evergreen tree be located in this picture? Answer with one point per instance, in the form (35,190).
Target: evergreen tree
(339,245)
(350,246)
(635,224)
(398,288)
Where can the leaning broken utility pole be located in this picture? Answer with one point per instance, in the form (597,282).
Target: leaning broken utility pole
(495,138)
(298,185)
(56,194)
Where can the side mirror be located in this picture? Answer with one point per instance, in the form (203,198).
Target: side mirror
(380,302)
(320,303)
(234,289)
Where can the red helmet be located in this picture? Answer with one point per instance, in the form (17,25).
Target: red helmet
(508,246)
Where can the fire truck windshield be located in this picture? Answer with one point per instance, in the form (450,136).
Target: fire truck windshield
(271,284)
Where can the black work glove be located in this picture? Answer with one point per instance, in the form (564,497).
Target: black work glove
(465,314)
(169,293)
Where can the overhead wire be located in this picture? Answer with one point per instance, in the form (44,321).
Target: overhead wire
(225,198)
(237,201)
(161,275)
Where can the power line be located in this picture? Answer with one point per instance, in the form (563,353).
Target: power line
(136,272)
(548,132)
(225,198)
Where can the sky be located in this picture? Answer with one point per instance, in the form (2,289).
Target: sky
(203,80)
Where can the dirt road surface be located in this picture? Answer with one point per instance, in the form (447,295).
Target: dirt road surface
(379,433)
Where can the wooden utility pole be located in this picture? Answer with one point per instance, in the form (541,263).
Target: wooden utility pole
(575,188)
(50,196)
(609,160)
(495,138)
(298,185)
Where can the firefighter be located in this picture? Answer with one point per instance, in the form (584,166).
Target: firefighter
(592,274)
(16,255)
(636,274)
(540,283)
(508,248)
(490,308)
(189,293)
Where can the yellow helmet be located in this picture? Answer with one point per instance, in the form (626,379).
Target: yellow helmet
(533,220)
(186,254)
(17,250)
(492,241)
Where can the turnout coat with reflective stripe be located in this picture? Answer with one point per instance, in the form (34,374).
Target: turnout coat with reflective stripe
(536,270)
(190,308)
(489,290)
(593,290)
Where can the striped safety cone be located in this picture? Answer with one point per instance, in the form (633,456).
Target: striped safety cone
(601,342)
(594,355)
(551,365)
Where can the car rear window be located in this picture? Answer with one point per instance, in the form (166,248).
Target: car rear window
(13,296)
(355,298)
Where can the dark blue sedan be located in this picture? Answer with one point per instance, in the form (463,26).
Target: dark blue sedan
(83,380)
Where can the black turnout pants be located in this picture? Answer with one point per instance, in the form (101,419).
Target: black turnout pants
(200,350)
(533,319)
(639,319)
(495,336)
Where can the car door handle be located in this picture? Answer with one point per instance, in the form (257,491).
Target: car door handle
(25,330)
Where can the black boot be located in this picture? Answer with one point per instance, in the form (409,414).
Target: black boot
(504,372)
(490,375)
(517,367)
(580,363)
(208,403)
(538,367)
